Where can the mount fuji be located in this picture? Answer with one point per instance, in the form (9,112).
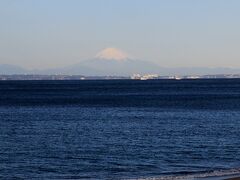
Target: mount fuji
(108,62)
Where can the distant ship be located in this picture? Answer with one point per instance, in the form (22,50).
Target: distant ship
(144,77)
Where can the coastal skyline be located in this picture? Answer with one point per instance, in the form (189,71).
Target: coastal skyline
(53,34)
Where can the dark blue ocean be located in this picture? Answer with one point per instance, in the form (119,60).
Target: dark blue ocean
(119,129)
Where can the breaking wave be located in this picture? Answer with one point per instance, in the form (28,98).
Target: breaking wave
(196,175)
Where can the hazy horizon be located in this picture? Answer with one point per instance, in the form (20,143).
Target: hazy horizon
(52,34)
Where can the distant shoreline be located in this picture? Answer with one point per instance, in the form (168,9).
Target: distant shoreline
(134,77)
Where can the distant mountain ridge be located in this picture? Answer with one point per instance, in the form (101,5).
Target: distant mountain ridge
(96,67)
(12,69)
(102,67)
(114,62)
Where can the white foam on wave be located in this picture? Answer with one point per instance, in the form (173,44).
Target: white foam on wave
(193,176)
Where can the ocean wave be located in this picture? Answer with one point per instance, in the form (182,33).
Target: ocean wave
(196,175)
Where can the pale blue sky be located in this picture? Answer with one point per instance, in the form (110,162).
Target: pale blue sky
(172,33)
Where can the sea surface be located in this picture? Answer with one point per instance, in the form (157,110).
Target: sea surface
(119,129)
